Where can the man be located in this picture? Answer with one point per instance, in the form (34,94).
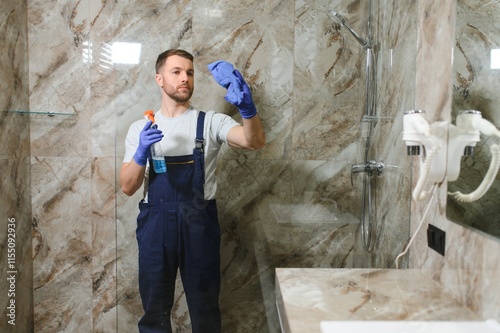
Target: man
(177,227)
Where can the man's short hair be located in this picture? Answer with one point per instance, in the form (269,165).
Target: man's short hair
(168,53)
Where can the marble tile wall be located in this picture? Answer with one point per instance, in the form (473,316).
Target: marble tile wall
(16,300)
(288,205)
(471,265)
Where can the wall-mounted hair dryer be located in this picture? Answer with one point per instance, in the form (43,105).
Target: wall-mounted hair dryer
(443,146)
(462,139)
(428,141)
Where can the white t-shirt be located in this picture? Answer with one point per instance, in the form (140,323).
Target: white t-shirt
(179,139)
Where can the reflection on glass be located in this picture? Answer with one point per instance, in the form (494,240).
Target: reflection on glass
(116,53)
(126,53)
(495,59)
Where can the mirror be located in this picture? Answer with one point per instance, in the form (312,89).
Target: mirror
(476,81)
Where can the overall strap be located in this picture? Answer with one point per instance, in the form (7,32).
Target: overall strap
(199,159)
(200,141)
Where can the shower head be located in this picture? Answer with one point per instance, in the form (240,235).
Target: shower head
(338,17)
(342,20)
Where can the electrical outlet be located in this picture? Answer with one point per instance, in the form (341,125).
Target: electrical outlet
(436,239)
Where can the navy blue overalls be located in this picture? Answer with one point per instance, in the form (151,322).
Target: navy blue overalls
(178,229)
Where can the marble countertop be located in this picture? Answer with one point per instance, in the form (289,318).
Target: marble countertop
(307,296)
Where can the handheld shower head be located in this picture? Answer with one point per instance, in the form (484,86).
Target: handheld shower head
(365,43)
(338,17)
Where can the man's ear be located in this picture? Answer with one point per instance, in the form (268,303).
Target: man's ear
(159,80)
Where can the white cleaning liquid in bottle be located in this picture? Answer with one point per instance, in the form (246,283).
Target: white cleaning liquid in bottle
(159,164)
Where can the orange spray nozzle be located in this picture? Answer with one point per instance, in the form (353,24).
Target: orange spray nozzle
(149,114)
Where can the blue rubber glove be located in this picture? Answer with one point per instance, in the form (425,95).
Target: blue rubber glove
(246,106)
(147,137)
(238,92)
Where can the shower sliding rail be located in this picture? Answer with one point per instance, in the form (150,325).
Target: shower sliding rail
(369,168)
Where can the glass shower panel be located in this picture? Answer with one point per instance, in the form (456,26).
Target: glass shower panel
(387,218)
(16,286)
(291,204)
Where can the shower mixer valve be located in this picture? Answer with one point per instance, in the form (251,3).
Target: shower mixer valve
(372,168)
(443,146)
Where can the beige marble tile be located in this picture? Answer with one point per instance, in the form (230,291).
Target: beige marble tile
(62,244)
(103,245)
(488,303)
(308,296)
(16,286)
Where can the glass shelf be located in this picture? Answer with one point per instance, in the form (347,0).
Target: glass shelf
(374,119)
(44,113)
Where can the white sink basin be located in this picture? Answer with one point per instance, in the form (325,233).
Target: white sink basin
(489,326)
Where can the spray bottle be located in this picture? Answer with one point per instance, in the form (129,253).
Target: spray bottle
(159,164)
